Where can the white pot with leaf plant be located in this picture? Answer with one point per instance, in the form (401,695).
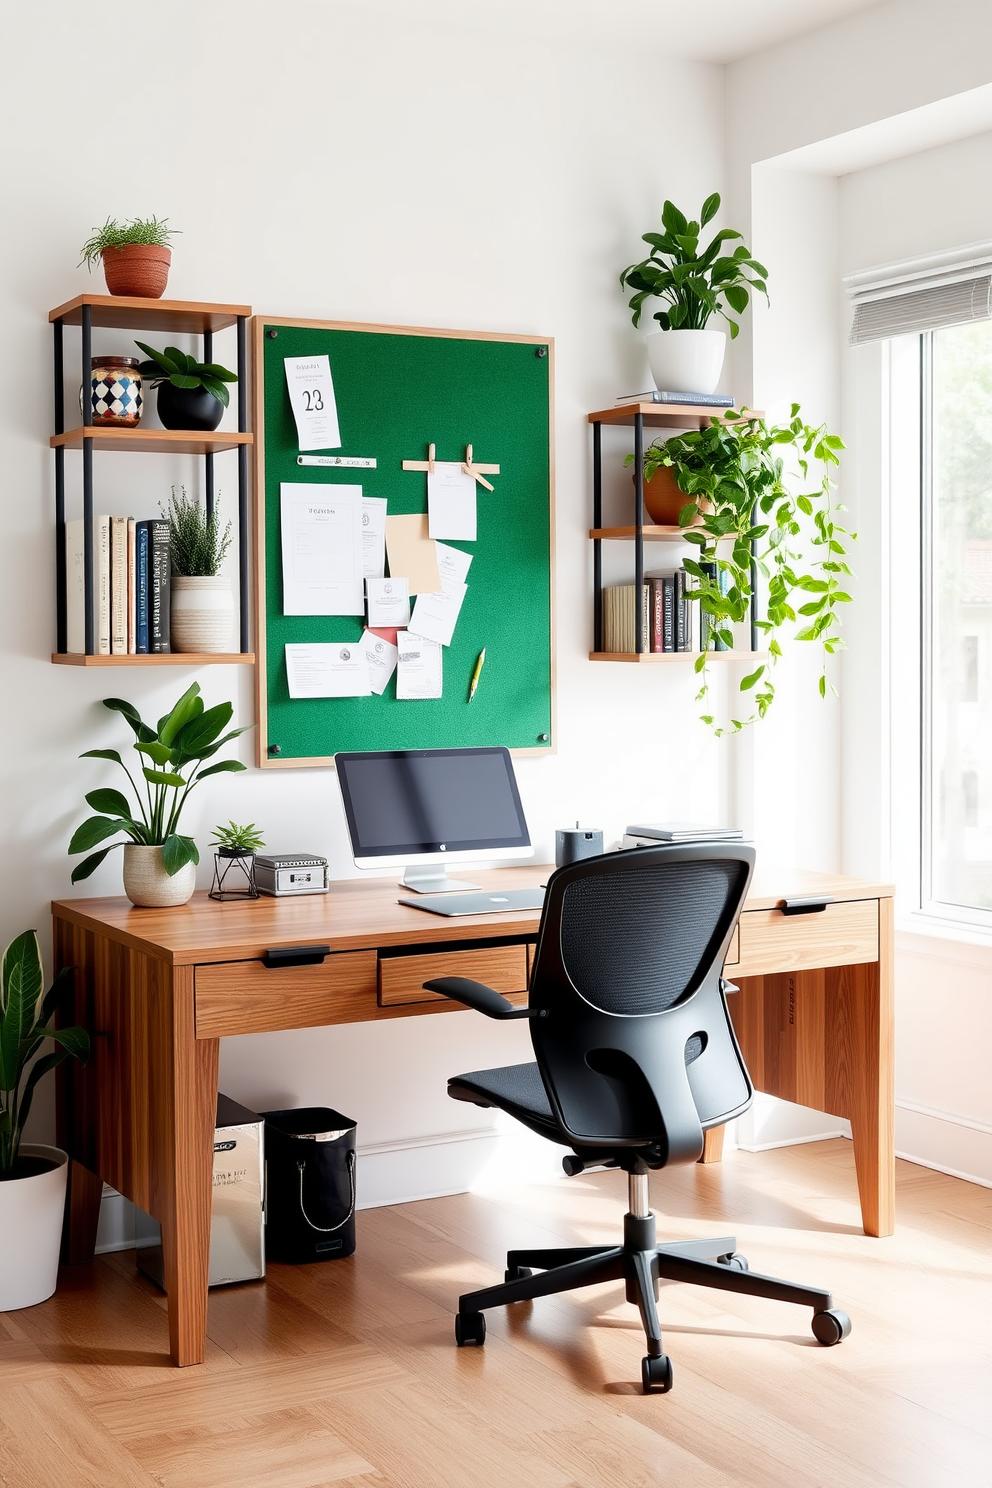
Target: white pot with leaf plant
(686,354)
(202,612)
(159,862)
(32,1176)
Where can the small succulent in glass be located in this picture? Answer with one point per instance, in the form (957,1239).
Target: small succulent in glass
(235,847)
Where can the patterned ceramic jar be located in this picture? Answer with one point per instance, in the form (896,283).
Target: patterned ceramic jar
(115,391)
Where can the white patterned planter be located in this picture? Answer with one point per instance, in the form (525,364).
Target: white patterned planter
(202,614)
(146,882)
(31,1230)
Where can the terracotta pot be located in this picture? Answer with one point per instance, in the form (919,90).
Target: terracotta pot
(31,1208)
(663,500)
(146,882)
(137,269)
(202,614)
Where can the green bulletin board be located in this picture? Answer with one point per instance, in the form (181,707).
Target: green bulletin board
(399,390)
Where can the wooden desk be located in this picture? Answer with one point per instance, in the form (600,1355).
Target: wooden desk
(159,988)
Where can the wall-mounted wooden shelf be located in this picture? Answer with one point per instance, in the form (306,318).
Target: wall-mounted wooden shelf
(670,415)
(169,658)
(151,441)
(655,534)
(127,313)
(655,656)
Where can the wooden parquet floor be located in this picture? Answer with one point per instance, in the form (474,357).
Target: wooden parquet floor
(346,1373)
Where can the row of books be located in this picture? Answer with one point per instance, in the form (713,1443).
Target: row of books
(131,576)
(669,621)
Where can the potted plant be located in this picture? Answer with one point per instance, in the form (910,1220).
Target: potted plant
(696,284)
(32,1176)
(135,255)
(202,610)
(159,863)
(738,494)
(234,850)
(191,394)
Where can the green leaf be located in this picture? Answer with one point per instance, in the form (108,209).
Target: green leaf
(218,390)
(737,297)
(177,852)
(91,864)
(95,829)
(710,208)
(160,754)
(75,1040)
(184,380)
(112,802)
(201,732)
(109,754)
(225,765)
(215,370)
(162,359)
(182,713)
(161,777)
(22,984)
(118,705)
(749,681)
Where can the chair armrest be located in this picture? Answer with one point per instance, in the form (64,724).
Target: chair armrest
(475,995)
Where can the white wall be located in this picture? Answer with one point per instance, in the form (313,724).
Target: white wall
(368,161)
(865,71)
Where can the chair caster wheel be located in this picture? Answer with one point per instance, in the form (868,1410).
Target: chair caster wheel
(517,1273)
(656,1375)
(734,1262)
(470,1327)
(831,1327)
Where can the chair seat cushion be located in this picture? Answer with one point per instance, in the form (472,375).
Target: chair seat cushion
(515,1088)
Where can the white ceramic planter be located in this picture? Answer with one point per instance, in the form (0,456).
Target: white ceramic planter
(146,882)
(686,361)
(31,1230)
(202,614)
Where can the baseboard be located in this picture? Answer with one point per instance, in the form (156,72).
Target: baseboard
(945,1141)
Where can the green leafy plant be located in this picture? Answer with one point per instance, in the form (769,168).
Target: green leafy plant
(181,741)
(184,371)
(25,1016)
(695,282)
(235,839)
(114,234)
(734,475)
(197,545)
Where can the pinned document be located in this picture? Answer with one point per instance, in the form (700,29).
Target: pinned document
(322,549)
(373,536)
(435,615)
(380,656)
(328,671)
(419,668)
(311,397)
(451,503)
(453,564)
(388,602)
(412,553)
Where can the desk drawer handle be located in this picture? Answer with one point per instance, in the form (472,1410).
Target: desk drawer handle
(815,904)
(295,956)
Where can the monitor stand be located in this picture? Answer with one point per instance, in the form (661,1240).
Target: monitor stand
(431,878)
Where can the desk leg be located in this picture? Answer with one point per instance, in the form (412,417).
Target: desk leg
(187,1173)
(866,1005)
(713,1145)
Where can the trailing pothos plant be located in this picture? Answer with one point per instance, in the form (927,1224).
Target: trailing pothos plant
(740,490)
(180,742)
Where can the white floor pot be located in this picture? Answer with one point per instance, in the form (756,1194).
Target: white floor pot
(686,361)
(202,614)
(31,1229)
(146,882)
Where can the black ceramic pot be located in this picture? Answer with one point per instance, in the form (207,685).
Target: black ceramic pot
(188,408)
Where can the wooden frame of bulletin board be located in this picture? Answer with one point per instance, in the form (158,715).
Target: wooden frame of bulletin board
(399,390)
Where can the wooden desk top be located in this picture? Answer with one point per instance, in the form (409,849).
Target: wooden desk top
(358,914)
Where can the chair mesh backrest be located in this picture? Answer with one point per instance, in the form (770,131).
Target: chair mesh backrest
(633,942)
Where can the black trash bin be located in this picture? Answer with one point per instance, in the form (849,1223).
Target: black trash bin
(310,1185)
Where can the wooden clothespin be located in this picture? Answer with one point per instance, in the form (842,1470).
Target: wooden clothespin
(427,464)
(476,471)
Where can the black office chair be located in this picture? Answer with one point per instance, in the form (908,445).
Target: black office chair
(636,1057)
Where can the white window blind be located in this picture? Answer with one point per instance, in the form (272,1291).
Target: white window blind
(922,294)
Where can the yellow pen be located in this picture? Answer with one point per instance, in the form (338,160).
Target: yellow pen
(476,674)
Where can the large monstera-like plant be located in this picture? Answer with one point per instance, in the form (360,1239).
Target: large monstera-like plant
(171,757)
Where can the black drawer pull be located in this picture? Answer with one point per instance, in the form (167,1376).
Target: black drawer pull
(295,956)
(815,904)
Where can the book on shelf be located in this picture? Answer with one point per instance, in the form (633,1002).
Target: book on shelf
(662,395)
(620,618)
(722,578)
(672,614)
(131,580)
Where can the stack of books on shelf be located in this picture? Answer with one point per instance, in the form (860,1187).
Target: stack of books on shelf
(694,400)
(669,621)
(131,576)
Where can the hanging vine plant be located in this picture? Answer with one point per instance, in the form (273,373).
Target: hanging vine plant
(733,473)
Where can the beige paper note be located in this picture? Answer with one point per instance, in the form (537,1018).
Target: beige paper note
(412,554)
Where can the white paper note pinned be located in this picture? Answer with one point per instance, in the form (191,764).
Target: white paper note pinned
(388,602)
(381,658)
(373,536)
(451,502)
(419,668)
(453,565)
(322,549)
(435,615)
(311,396)
(335,670)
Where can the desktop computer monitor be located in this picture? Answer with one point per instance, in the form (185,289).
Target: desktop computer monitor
(419,808)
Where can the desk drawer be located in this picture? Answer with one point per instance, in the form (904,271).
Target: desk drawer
(840,935)
(247,997)
(402,978)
